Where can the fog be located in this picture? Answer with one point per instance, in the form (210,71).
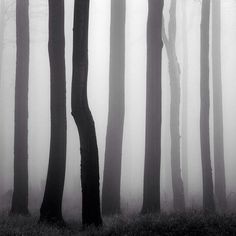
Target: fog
(135,101)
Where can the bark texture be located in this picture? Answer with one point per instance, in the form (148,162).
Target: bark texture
(208,195)
(20,188)
(83,118)
(174,72)
(51,211)
(114,137)
(151,191)
(220,186)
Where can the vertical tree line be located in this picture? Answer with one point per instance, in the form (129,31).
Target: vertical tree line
(208,194)
(83,118)
(52,202)
(20,189)
(220,186)
(151,189)
(174,72)
(114,137)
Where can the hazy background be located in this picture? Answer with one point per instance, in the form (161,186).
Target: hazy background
(135,81)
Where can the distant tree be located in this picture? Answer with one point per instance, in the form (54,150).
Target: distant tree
(208,195)
(114,137)
(174,72)
(20,191)
(91,213)
(185,74)
(151,190)
(220,186)
(51,209)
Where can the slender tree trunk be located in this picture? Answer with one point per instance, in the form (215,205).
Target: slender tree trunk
(208,196)
(20,193)
(113,153)
(174,71)
(220,188)
(83,118)
(52,202)
(185,74)
(151,194)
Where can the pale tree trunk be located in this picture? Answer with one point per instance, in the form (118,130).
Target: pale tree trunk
(151,189)
(20,189)
(220,186)
(114,137)
(83,118)
(208,195)
(185,74)
(174,72)
(51,209)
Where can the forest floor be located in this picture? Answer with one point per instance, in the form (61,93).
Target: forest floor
(193,223)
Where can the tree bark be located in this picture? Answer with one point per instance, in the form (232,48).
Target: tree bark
(185,74)
(20,193)
(51,211)
(114,137)
(83,118)
(174,72)
(151,190)
(220,186)
(208,195)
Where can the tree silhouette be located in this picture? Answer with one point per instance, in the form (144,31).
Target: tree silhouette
(151,191)
(114,137)
(83,118)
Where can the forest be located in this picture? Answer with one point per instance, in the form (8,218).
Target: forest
(117,117)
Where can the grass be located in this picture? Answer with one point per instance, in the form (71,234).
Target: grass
(191,223)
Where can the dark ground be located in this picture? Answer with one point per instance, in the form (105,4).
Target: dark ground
(193,223)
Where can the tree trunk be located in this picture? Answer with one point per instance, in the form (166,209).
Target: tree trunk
(208,196)
(20,193)
(83,118)
(151,191)
(174,72)
(220,188)
(185,74)
(52,202)
(114,137)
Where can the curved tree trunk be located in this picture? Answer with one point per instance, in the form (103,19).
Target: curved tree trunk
(184,134)
(151,190)
(174,72)
(20,193)
(83,118)
(52,202)
(220,188)
(114,137)
(208,195)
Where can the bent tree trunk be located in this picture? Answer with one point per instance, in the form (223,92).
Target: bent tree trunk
(51,211)
(83,118)
(20,191)
(114,137)
(220,188)
(151,190)
(208,196)
(174,72)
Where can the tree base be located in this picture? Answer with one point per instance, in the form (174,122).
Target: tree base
(53,221)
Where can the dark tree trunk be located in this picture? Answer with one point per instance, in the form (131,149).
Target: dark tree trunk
(51,209)
(184,134)
(220,188)
(174,72)
(151,191)
(208,196)
(20,193)
(113,153)
(83,118)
